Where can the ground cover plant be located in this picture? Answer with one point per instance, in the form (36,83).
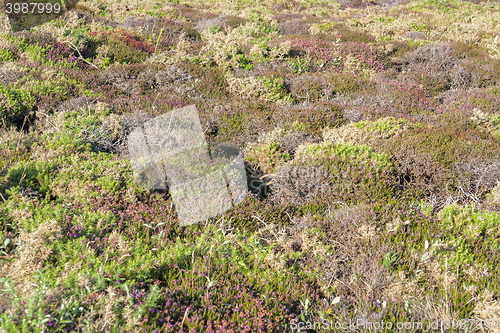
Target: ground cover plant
(370,132)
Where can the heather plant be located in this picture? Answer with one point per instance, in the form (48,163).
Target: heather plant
(400,99)
(472,229)
(312,118)
(368,132)
(15,104)
(121,47)
(431,59)
(325,86)
(290,142)
(485,100)
(344,151)
(332,172)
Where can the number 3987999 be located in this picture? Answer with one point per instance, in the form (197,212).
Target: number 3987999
(33,8)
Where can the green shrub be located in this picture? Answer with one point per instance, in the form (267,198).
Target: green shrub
(244,62)
(469,230)
(345,152)
(58,90)
(319,172)
(275,87)
(122,53)
(36,52)
(6,55)
(15,103)
(434,85)
(386,126)
(121,46)
(24,174)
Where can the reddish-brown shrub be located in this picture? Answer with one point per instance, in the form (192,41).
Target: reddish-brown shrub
(355,270)
(290,142)
(294,27)
(298,185)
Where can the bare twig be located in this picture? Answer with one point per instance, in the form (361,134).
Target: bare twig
(81,57)
(259,219)
(22,127)
(184,318)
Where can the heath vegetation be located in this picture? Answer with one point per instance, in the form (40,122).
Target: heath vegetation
(370,132)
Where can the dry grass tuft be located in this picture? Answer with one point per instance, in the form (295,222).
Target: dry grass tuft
(103,319)
(488,309)
(71,21)
(116,241)
(289,239)
(5,24)
(105,314)
(496,194)
(250,87)
(484,121)
(10,72)
(354,267)
(182,51)
(32,254)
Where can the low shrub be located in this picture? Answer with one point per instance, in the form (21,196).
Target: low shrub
(267,154)
(15,104)
(359,258)
(435,159)
(121,47)
(290,142)
(308,88)
(334,172)
(431,59)
(471,235)
(311,118)
(400,99)
(345,152)
(298,185)
(487,100)
(489,124)
(294,27)
(368,132)
(10,73)
(6,55)
(347,35)
(434,85)
(211,80)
